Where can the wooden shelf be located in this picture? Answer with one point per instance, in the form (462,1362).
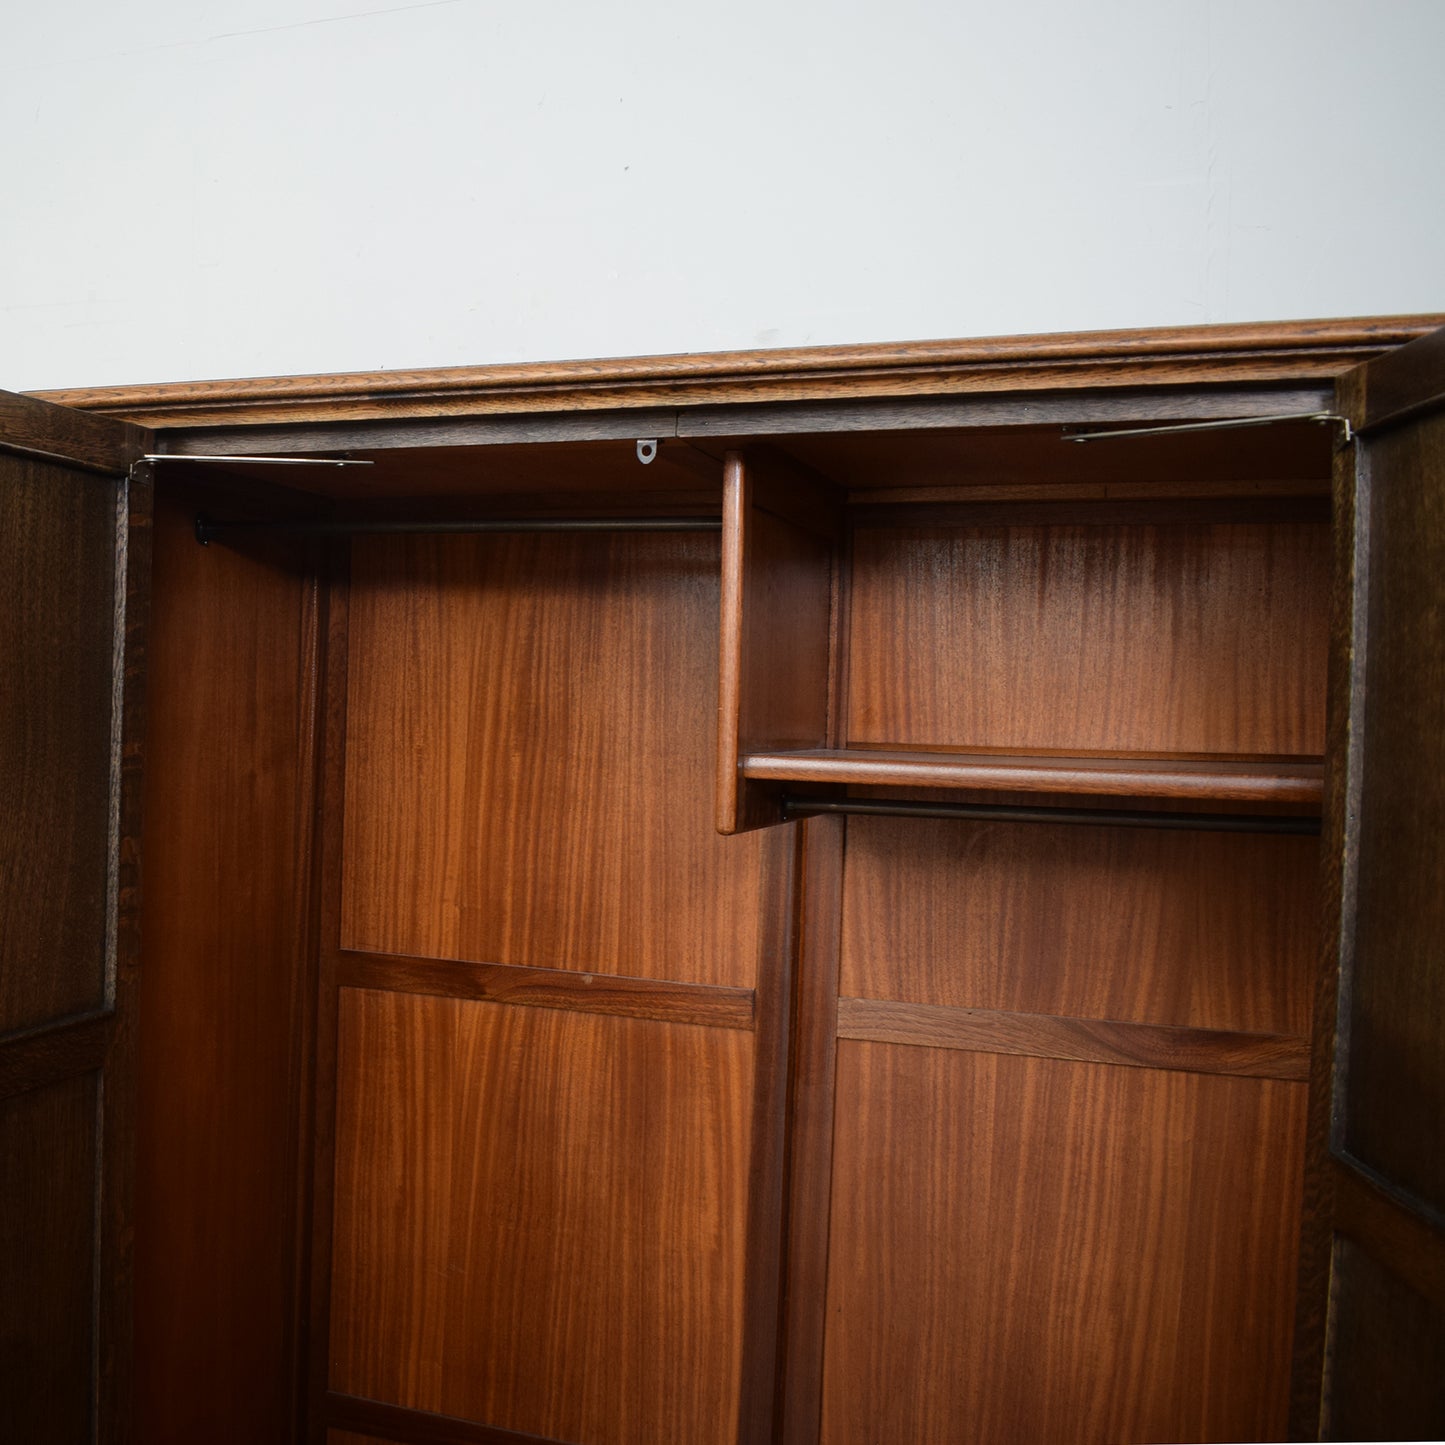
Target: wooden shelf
(1207,780)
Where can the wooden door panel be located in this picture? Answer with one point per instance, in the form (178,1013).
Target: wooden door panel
(50,1152)
(1372,1299)
(74,572)
(1393,1074)
(57,625)
(1388,1354)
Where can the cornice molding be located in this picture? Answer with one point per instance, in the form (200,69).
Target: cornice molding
(1291,351)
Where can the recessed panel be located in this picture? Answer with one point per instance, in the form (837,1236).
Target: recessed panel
(1027,1250)
(529,757)
(48,1159)
(1385,1371)
(1182,639)
(1200,930)
(1393,1095)
(57,627)
(540,1218)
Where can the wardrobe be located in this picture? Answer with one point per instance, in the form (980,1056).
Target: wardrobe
(864,894)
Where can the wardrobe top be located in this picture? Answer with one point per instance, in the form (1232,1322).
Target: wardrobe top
(1299,352)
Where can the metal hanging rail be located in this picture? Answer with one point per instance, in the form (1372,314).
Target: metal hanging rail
(804,807)
(210,530)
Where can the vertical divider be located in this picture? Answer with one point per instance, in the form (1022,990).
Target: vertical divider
(328,910)
(767,1203)
(311,787)
(781,527)
(810,1118)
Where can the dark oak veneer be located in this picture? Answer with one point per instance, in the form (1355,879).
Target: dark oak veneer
(510,1071)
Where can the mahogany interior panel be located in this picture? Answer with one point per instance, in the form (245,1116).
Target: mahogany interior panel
(57,610)
(776,609)
(529,757)
(47,1262)
(1205,930)
(1024,1249)
(1185,638)
(223,988)
(540,1217)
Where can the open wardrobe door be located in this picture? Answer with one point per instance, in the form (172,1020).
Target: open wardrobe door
(74,565)
(1381,1098)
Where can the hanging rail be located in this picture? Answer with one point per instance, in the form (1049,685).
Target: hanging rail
(804,807)
(210,530)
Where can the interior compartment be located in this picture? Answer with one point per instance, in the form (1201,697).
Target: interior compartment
(521,1097)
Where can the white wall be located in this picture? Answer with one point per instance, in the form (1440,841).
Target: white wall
(200,188)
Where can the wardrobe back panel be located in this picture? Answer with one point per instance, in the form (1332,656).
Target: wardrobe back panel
(529,755)
(540,1217)
(1026,1249)
(1181,638)
(1194,929)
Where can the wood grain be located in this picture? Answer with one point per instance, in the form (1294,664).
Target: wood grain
(1026,1250)
(414,1427)
(773,656)
(115,1298)
(1400,1239)
(55,1052)
(57,623)
(1394,1086)
(1040,461)
(1096,1041)
(708,1006)
(489,466)
(1273,352)
(1341,805)
(222,989)
(1165,639)
(528,749)
(764,1250)
(1401,382)
(1385,1376)
(1281,782)
(810,1161)
(48,1196)
(68,435)
(1194,930)
(540,1218)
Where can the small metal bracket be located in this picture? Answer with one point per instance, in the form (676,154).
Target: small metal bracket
(647,450)
(1225,424)
(253,461)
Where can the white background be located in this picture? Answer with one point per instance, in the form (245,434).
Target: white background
(208,188)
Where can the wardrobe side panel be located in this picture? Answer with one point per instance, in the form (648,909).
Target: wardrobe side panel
(223,988)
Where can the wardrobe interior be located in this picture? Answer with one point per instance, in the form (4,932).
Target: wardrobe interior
(482,1077)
